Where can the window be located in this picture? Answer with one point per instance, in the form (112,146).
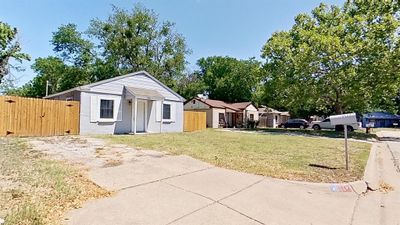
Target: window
(221,117)
(251,116)
(106,109)
(194,102)
(166,111)
(327,120)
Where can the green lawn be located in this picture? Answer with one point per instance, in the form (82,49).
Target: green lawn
(36,190)
(357,134)
(275,155)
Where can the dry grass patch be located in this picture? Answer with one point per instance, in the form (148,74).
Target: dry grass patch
(37,190)
(112,163)
(275,155)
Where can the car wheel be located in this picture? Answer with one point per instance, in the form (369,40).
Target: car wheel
(302,127)
(350,128)
(316,127)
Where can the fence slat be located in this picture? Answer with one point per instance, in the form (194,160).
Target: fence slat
(37,117)
(194,121)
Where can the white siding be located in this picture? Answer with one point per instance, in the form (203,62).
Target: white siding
(215,116)
(138,81)
(122,125)
(252,110)
(153,125)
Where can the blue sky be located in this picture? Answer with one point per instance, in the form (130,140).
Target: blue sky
(236,28)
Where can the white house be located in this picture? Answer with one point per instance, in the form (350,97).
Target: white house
(132,103)
(270,117)
(222,114)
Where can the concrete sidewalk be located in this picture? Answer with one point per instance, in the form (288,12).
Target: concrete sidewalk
(381,206)
(155,188)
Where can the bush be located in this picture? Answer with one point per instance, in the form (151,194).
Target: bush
(252,124)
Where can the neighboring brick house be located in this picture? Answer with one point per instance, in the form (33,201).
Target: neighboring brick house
(223,114)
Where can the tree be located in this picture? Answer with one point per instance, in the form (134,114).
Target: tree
(71,67)
(127,42)
(190,85)
(10,48)
(136,40)
(336,59)
(229,79)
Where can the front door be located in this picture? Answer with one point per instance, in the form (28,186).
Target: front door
(141,116)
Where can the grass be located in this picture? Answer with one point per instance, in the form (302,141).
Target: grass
(357,134)
(280,156)
(36,190)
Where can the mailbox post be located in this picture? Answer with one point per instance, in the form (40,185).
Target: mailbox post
(344,119)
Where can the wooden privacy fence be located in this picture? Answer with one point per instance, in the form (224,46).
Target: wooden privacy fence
(37,117)
(194,121)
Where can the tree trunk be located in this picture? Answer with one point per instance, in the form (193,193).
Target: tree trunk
(338,108)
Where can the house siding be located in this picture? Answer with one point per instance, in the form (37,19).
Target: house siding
(153,126)
(215,116)
(73,95)
(251,110)
(138,81)
(118,127)
(123,124)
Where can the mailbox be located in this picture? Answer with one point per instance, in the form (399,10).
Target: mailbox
(344,119)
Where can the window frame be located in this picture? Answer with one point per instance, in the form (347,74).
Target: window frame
(113,119)
(170,112)
(251,117)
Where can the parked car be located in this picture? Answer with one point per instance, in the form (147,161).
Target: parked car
(295,123)
(326,124)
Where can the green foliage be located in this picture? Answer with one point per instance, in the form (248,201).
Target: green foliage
(127,42)
(136,41)
(10,48)
(71,46)
(229,79)
(336,59)
(190,85)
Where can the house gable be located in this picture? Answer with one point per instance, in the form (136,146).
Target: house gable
(196,104)
(251,107)
(137,80)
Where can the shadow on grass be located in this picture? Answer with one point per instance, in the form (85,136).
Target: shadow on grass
(359,135)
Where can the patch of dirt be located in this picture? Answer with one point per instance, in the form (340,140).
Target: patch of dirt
(385,187)
(87,151)
(112,163)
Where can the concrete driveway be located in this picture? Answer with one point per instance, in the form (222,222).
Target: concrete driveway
(156,188)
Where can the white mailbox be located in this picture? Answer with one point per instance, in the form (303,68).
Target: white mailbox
(344,119)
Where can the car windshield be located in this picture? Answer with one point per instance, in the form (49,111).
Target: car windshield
(327,120)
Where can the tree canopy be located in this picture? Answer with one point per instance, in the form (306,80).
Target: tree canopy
(337,59)
(229,79)
(10,48)
(125,42)
(134,41)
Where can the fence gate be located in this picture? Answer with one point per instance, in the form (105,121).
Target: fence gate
(194,121)
(38,117)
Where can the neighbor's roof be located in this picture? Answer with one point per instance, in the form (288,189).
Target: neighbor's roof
(265,109)
(88,86)
(381,115)
(239,106)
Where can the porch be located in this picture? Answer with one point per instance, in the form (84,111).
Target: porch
(141,102)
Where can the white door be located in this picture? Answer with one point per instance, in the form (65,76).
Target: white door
(141,116)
